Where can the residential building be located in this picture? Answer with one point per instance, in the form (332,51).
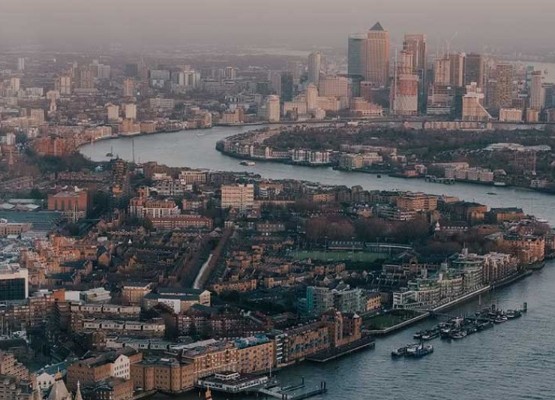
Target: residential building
(240,196)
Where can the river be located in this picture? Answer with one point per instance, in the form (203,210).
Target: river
(515,360)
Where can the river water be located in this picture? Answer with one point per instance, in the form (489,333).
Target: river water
(515,360)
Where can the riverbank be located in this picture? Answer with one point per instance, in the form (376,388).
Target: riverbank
(453,303)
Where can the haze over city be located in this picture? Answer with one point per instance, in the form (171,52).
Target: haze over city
(505,25)
(289,199)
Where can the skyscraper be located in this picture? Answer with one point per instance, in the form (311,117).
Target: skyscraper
(286,86)
(128,87)
(404,92)
(456,69)
(311,97)
(356,57)
(442,71)
(416,44)
(503,86)
(537,91)
(314,65)
(20,64)
(474,69)
(272,108)
(377,56)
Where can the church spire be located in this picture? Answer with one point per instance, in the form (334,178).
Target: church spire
(78,392)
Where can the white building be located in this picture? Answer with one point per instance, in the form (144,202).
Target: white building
(273,109)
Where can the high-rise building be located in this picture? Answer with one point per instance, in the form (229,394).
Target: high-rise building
(273,110)
(15,84)
(416,44)
(286,82)
(503,96)
(314,66)
(356,58)
(63,85)
(404,92)
(456,69)
(537,91)
(86,77)
(472,107)
(442,71)
(474,69)
(311,97)
(128,87)
(335,86)
(20,64)
(377,56)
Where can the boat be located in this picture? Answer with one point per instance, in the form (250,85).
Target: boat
(419,350)
(430,335)
(536,266)
(111,153)
(499,184)
(491,194)
(484,325)
(513,314)
(417,335)
(248,163)
(400,352)
(378,176)
(458,334)
(500,319)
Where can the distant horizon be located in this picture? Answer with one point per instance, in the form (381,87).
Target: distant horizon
(307,24)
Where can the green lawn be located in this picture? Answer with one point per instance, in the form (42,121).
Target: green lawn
(385,321)
(338,256)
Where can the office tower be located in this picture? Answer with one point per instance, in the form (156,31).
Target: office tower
(537,91)
(314,65)
(20,64)
(442,71)
(503,86)
(311,97)
(335,86)
(474,69)
(356,57)
(472,107)
(275,81)
(64,83)
(128,88)
(456,69)
(286,86)
(404,92)
(377,56)
(273,108)
(416,44)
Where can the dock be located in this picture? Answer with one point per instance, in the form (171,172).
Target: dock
(297,392)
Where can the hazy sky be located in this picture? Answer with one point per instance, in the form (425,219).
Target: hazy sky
(473,24)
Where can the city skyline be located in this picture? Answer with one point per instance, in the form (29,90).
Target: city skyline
(134,25)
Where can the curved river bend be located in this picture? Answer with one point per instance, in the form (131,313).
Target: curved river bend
(515,360)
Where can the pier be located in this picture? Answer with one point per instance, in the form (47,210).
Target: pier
(297,392)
